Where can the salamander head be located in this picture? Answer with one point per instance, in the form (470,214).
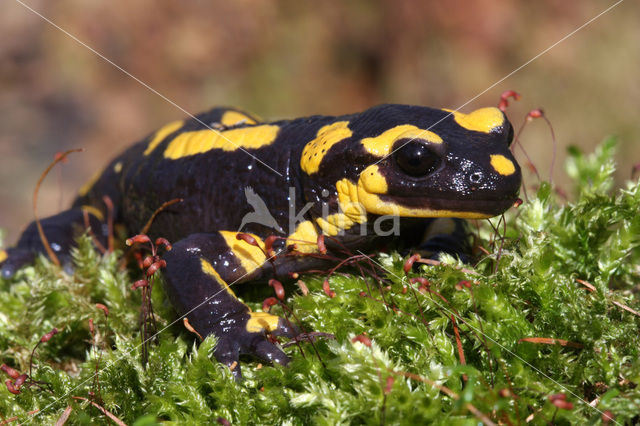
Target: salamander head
(415,161)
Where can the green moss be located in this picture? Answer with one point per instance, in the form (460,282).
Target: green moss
(526,289)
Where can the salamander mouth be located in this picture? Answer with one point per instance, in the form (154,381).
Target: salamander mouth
(450,194)
(488,207)
(474,205)
(494,206)
(442,207)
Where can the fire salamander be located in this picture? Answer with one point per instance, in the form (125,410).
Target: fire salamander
(352,178)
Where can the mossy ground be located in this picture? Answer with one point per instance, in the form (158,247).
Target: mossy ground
(412,373)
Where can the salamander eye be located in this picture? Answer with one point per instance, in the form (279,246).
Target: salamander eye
(416,160)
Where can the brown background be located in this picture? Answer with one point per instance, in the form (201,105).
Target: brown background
(291,58)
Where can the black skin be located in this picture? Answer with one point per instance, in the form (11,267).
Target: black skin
(212,185)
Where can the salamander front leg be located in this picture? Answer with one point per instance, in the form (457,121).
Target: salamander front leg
(446,235)
(199,272)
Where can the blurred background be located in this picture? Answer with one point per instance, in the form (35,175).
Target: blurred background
(292,58)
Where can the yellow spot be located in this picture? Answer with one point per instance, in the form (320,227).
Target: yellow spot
(305,237)
(3,255)
(208,269)
(94,211)
(502,165)
(327,136)
(250,257)
(231,118)
(326,227)
(117,167)
(382,145)
(348,201)
(201,141)
(84,190)
(351,211)
(335,223)
(373,181)
(481,120)
(260,321)
(159,136)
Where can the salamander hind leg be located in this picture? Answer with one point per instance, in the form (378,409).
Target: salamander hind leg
(200,272)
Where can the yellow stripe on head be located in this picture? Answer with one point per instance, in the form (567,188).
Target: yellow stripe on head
(162,133)
(231,118)
(201,141)
(382,145)
(250,257)
(3,255)
(483,120)
(315,150)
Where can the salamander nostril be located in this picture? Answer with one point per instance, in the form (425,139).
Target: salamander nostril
(476,177)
